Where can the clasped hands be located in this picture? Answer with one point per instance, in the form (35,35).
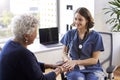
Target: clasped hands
(67,65)
(64,66)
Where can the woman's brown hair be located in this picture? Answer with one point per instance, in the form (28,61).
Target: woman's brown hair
(87,15)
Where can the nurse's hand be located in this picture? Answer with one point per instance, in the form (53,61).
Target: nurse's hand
(70,64)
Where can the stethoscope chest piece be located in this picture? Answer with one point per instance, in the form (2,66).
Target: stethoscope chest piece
(80,46)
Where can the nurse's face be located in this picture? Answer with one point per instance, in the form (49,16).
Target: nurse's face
(79,21)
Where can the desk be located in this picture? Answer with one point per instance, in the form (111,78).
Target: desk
(46,54)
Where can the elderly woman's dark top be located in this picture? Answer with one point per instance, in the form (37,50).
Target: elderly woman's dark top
(19,63)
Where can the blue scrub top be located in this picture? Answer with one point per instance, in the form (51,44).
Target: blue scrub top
(92,42)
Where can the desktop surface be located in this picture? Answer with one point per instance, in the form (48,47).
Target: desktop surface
(36,47)
(52,45)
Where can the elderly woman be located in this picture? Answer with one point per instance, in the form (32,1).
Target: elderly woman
(19,63)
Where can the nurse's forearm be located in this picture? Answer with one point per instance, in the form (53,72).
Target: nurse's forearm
(90,61)
(65,56)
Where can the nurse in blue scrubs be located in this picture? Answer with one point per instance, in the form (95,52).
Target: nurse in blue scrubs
(82,48)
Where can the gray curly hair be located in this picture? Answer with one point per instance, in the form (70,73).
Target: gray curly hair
(23,24)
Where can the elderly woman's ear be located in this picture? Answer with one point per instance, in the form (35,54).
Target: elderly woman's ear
(26,36)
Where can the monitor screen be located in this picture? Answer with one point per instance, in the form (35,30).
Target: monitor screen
(48,35)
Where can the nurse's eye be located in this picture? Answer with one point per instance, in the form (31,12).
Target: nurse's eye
(80,19)
(75,18)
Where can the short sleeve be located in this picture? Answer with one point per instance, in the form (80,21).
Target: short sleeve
(98,46)
(65,39)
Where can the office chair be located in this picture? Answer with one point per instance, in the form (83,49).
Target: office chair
(105,58)
(0,49)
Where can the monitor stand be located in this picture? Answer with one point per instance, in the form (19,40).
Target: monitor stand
(53,45)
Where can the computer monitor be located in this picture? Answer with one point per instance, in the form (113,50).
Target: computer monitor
(48,35)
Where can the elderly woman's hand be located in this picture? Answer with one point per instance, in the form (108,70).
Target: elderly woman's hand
(51,66)
(54,66)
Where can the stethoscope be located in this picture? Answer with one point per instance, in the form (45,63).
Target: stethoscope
(80,46)
(83,40)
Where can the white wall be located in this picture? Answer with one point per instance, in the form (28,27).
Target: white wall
(100,17)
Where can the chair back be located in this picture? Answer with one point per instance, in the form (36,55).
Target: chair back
(106,56)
